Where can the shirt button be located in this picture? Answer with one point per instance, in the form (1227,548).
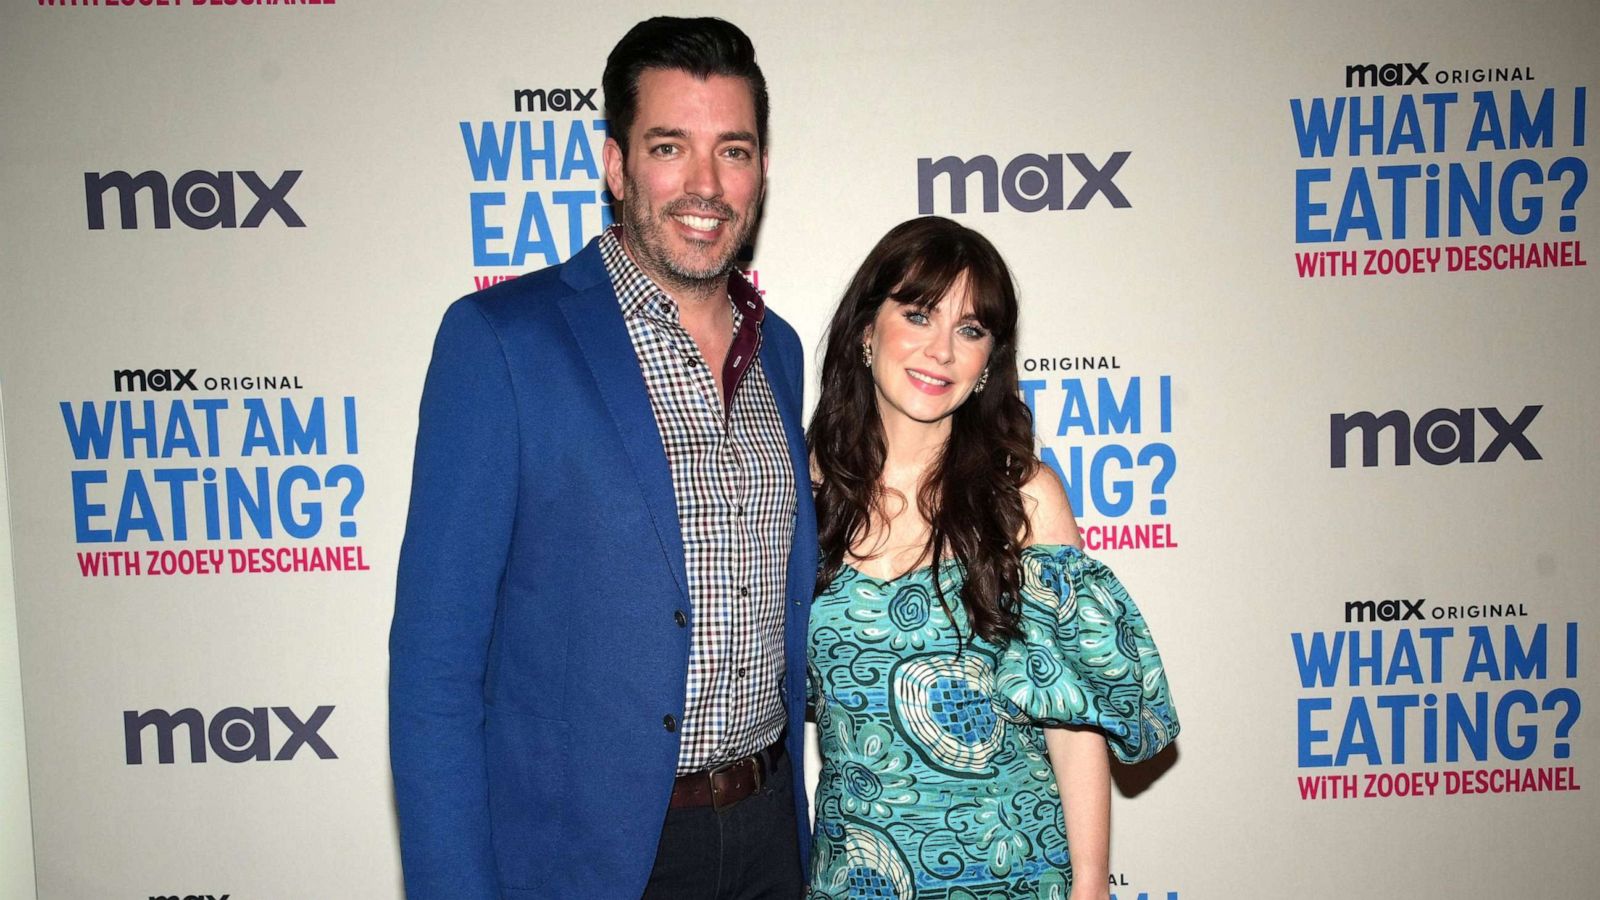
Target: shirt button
(744,592)
(738,511)
(669,723)
(741,672)
(680,618)
(690,361)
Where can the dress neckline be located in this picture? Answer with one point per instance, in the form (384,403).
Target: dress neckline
(1037,549)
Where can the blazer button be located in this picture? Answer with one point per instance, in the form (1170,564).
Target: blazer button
(669,723)
(680,618)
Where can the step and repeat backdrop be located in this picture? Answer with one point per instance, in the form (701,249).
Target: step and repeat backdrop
(1311,297)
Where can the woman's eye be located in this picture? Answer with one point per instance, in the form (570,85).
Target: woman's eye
(974,332)
(916,317)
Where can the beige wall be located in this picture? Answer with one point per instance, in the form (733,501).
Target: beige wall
(16,827)
(1195,282)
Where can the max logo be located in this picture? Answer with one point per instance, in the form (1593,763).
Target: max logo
(200,199)
(553,99)
(1383,611)
(235,734)
(153,380)
(1387,75)
(1030,182)
(189,897)
(1441,436)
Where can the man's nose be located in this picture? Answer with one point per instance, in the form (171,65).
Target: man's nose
(703,180)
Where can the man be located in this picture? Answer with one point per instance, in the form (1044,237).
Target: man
(597,658)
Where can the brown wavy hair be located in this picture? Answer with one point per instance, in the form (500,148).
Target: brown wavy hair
(971,495)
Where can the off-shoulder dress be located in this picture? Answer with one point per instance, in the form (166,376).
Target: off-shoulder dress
(935,782)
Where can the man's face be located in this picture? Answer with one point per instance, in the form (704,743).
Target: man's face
(693,177)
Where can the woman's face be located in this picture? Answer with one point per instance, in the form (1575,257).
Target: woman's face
(926,363)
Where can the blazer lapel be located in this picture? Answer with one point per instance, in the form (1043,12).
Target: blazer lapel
(596,322)
(784,395)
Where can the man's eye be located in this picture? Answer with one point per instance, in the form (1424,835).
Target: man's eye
(737,153)
(663,150)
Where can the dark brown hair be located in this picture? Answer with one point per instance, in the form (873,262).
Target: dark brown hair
(971,495)
(702,47)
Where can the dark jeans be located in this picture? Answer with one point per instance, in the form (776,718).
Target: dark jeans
(745,852)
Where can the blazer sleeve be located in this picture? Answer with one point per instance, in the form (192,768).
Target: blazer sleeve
(452,561)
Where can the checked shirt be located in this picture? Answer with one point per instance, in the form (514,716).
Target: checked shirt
(735,493)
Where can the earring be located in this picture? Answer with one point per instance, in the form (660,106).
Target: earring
(982,381)
(866,354)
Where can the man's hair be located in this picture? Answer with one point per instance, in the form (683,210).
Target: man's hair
(702,47)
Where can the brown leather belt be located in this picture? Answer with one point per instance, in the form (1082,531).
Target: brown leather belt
(727,784)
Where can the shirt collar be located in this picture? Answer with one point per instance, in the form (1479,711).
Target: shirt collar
(638,294)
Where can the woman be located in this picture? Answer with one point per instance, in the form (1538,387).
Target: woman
(968,663)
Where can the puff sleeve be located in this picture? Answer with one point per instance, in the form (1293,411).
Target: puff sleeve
(1085,657)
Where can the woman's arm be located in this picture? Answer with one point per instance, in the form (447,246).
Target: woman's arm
(1082,767)
(1079,756)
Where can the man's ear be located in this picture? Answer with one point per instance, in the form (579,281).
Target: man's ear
(616,173)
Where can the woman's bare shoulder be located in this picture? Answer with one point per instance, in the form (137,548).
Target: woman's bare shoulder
(1050,518)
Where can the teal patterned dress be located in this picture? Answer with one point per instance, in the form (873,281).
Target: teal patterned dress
(935,782)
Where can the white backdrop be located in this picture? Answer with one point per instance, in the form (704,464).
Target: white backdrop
(1175,339)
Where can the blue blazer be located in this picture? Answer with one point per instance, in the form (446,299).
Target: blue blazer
(534,650)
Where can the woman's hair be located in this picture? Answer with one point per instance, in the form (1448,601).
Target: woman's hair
(971,494)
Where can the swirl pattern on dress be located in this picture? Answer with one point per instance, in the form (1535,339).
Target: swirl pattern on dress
(1086,657)
(935,781)
(945,704)
(863,863)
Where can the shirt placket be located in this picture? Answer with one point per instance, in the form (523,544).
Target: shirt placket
(733,478)
(726,589)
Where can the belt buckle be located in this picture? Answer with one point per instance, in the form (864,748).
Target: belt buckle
(716,795)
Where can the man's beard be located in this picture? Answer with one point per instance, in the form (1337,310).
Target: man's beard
(647,230)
